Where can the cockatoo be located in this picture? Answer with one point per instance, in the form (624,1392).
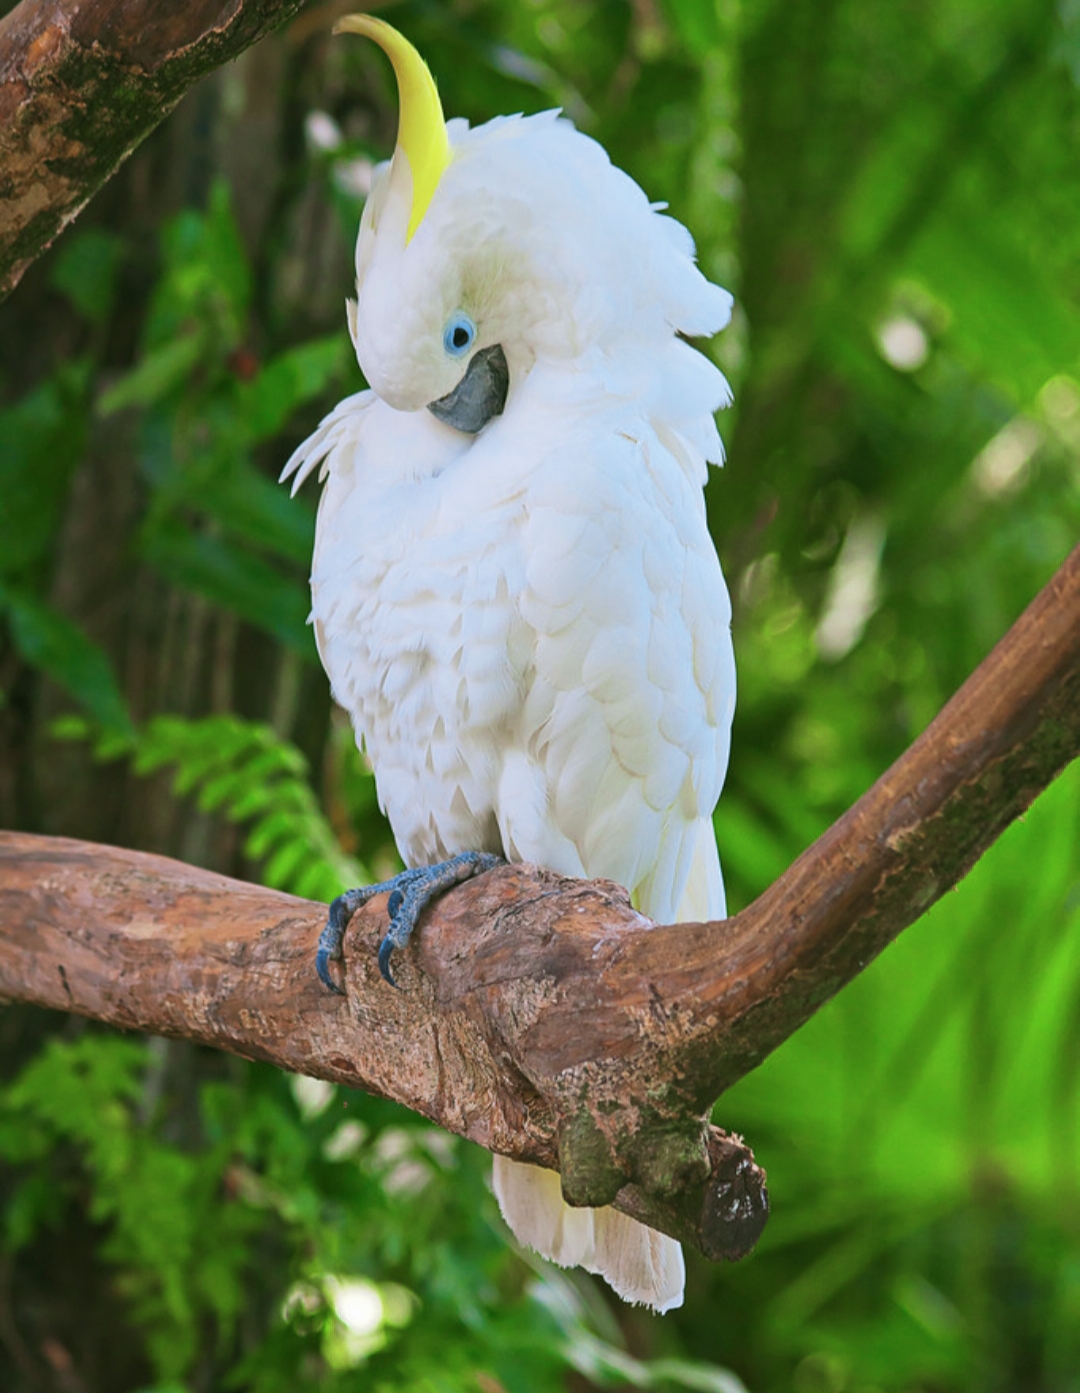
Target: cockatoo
(514,591)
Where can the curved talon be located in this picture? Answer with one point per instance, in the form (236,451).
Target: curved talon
(330,939)
(393,904)
(322,966)
(385,949)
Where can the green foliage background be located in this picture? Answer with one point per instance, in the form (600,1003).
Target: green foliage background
(893,193)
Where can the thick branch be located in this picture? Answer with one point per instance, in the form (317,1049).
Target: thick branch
(543,1017)
(82,82)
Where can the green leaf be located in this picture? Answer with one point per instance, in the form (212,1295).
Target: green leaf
(282,868)
(206,280)
(234,579)
(277,827)
(698,24)
(58,647)
(155,375)
(287,381)
(31,1206)
(250,506)
(223,249)
(1012,325)
(86,272)
(42,438)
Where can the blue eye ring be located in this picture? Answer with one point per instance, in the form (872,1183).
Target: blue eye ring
(459,334)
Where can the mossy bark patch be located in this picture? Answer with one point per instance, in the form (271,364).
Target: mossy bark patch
(81,85)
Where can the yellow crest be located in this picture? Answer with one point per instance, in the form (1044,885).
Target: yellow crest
(421,127)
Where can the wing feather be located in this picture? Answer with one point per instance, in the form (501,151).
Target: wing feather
(629,712)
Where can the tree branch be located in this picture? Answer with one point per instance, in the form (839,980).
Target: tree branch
(82,82)
(543,1017)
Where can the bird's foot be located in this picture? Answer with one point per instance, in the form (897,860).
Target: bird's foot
(410,893)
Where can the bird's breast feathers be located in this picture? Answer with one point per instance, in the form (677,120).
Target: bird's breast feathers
(530,630)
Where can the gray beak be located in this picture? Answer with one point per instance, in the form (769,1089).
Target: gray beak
(479,396)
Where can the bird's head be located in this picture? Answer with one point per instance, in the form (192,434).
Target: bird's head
(482,250)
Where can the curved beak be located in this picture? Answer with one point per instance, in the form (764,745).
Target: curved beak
(479,396)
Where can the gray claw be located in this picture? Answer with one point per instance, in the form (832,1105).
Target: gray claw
(410,893)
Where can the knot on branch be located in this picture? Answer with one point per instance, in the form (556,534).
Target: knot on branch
(736,1200)
(722,1216)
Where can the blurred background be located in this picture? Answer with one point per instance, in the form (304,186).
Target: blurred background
(892,191)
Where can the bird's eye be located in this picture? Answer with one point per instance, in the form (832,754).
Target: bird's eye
(459,334)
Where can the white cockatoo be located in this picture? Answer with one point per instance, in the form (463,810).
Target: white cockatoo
(514,591)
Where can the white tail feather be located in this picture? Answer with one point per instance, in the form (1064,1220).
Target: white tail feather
(532,1204)
(644,1267)
(703,899)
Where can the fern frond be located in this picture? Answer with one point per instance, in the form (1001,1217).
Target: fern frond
(245,771)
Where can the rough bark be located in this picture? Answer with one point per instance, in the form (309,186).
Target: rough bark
(82,82)
(541,1017)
